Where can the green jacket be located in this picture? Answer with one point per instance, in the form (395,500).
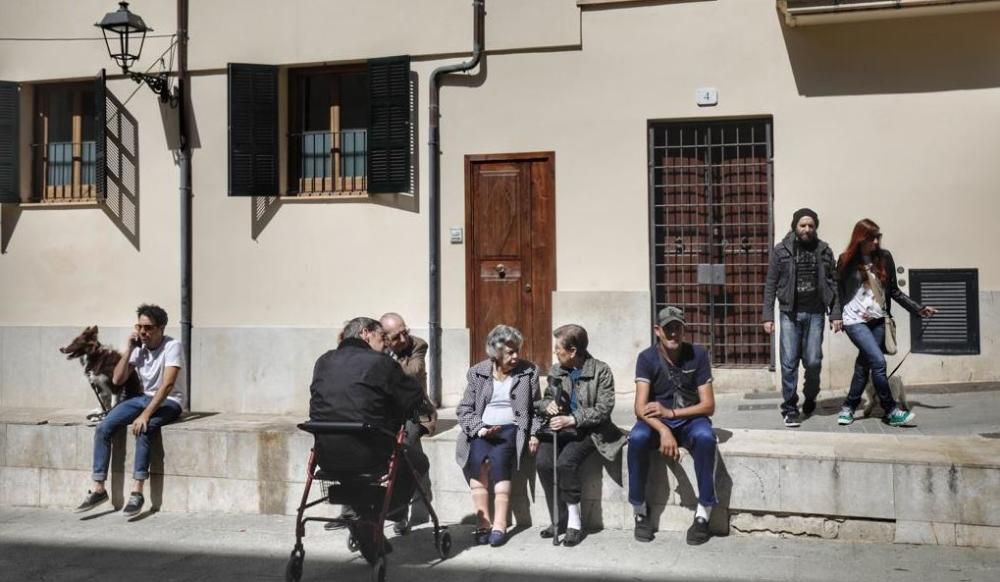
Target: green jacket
(595,401)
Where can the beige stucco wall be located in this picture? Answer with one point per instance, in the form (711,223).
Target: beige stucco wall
(891,120)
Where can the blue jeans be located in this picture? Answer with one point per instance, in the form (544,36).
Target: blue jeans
(801,340)
(121,416)
(694,434)
(868,338)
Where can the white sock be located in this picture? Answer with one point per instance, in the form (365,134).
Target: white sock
(703,512)
(640,509)
(573,520)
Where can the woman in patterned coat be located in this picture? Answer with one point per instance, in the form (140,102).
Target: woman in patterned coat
(497,419)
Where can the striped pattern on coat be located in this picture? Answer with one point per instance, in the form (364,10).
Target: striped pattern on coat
(478,392)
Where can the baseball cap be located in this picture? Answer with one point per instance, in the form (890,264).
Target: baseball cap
(670,313)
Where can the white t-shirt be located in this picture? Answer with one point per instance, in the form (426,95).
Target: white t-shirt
(498,410)
(150,364)
(862,307)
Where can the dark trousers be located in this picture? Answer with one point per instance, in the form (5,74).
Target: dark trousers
(694,434)
(801,341)
(347,455)
(572,454)
(868,337)
(419,511)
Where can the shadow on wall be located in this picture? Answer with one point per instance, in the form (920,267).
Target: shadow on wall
(264,208)
(909,55)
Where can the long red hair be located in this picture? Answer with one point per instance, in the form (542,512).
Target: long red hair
(864,231)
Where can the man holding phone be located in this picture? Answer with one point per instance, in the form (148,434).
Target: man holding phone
(157,359)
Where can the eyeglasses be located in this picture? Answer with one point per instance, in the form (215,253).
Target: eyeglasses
(395,336)
(875,236)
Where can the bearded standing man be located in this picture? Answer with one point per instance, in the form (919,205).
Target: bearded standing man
(801,275)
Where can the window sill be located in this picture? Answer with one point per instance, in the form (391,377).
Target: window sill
(324,196)
(81,203)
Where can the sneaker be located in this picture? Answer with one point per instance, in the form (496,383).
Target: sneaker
(643,529)
(792,419)
(550,531)
(92,500)
(900,417)
(845,417)
(134,505)
(497,538)
(698,532)
(808,407)
(573,537)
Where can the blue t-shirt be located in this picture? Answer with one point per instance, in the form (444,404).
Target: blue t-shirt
(693,369)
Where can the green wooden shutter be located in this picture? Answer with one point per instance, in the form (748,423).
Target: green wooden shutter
(10,186)
(253,130)
(389,131)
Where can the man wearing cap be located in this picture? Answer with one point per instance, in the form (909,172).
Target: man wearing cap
(673,403)
(802,275)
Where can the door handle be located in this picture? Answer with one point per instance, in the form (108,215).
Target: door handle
(527,288)
(501,270)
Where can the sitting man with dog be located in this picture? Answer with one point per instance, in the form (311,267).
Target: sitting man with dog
(358,382)
(410,352)
(673,402)
(158,360)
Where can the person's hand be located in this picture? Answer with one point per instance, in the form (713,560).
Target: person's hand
(533,445)
(768,327)
(668,446)
(488,433)
(928,311)
(837,325)
(552,408)
(139,425)
(656,410)
(133,341)
(560,422)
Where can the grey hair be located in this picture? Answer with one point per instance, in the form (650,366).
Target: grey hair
(501,336)
(357,325)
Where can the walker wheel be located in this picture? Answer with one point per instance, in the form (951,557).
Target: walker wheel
(293,570)
(379,570)
(443,544)
(352,542)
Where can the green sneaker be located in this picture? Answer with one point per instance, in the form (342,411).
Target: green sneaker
(900,417)
(845,417)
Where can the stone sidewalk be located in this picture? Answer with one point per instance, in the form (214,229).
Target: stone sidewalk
(57,546)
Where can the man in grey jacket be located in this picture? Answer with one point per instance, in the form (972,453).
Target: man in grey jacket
(802,275)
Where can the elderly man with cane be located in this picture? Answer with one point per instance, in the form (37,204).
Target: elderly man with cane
(578,403)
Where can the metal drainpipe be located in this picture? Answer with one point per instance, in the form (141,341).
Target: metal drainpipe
(184,161)
(434,194)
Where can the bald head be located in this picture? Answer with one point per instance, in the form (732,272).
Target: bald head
(397,335)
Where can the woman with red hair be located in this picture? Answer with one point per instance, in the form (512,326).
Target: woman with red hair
(867,283)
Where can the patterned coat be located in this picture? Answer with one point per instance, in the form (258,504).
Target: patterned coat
(524,392)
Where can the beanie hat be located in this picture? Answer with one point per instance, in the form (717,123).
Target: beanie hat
(803,212)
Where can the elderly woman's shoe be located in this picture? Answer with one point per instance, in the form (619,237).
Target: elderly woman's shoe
(573,537)
(481,536)
(497,538)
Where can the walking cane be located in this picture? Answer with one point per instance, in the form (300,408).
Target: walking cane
(555,487)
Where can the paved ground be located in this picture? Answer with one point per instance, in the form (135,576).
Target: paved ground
(49,545)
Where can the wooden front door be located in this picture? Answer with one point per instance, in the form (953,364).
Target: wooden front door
(510,249)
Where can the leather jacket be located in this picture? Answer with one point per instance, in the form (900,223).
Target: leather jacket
(851,279)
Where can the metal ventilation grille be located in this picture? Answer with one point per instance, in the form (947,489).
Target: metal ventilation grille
(955,329)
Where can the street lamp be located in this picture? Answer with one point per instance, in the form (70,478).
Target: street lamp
(130,29)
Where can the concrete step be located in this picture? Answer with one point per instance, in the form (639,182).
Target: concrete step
(914,489)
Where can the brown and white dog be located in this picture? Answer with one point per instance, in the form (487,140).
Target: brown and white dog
(99,363)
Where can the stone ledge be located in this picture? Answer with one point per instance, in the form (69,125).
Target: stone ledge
(943,490)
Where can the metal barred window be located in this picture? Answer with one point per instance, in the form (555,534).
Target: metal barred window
(955,329)
(711,189)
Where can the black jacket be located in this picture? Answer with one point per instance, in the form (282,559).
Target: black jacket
(851,279)
(780,281)
(357,384)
